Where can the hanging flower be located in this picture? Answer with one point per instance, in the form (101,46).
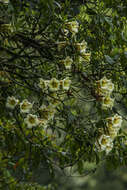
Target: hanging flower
(104,143)
(65,83)
(73,26)
(31,120)
(54,84)
(117,120)
(107,102)
(67,62)
(81,47)
(11,102)
(114,122)
(109,148)
(43,84)
(25,106)
(106,86)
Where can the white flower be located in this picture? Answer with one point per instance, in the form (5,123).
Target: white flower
(109,147)
(107,102)
(66,83)
(81,47)
(43,84)
(104,141)
(25,106)
(31,120)
(73,26)
(67,62)
(117,120)
(11,102)
(106,86)
(114,122)
(54,84)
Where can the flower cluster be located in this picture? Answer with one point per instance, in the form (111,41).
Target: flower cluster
(25,107)
(84,55)
(72,27)
(105,88)
(113,125)
(54,84)
(105,141)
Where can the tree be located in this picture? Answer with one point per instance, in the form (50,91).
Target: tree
(63,87)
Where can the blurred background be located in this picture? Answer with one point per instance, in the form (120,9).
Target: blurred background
(101,179)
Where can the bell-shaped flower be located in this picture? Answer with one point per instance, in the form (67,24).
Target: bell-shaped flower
(67,62)
(104,140)
(109,148)
(11,102)
(25,106)
(106,86)
(117,120)
(31,120)
(81,47)
(107,102)
(54,84)
(43,84)
(73,26)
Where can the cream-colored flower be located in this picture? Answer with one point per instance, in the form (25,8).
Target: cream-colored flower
(114,122)
(67,62)
(54,84)
(31,120)
(106,86)
(81,47)
(73,26)
(104,141)
(117,120)
(25,106)
(11,102)
(109,148)
(43,84)
(65,83)
(107,102)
